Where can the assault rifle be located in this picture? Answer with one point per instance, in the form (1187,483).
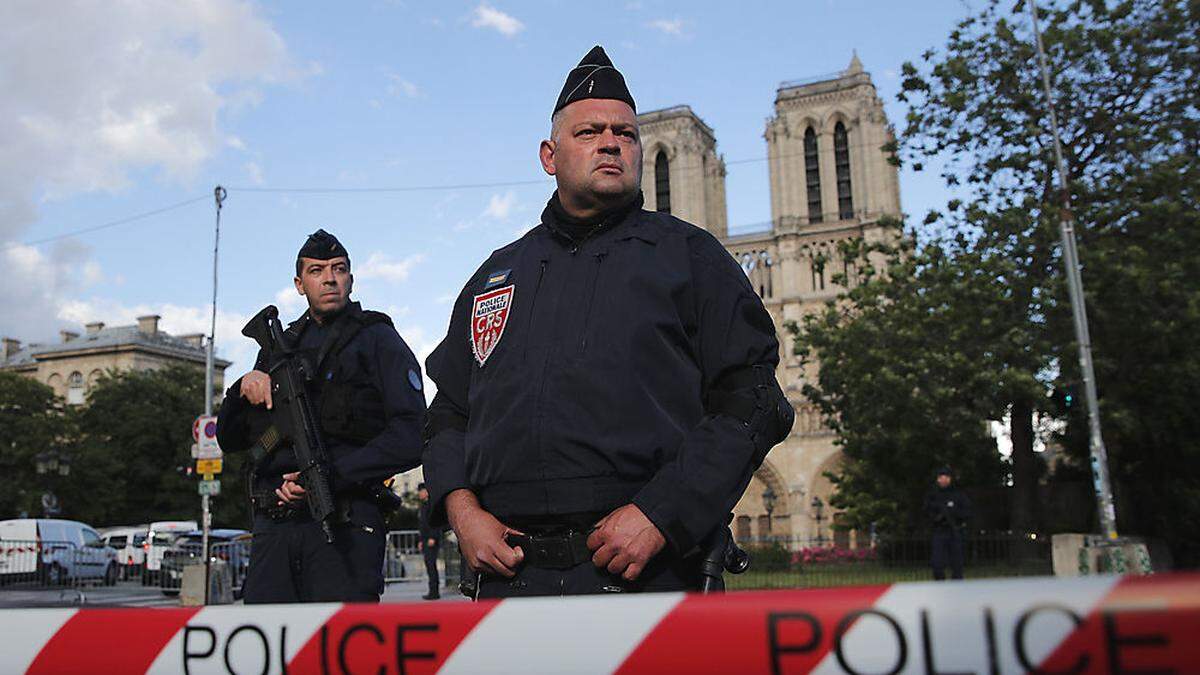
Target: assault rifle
(721,554)
(292,413)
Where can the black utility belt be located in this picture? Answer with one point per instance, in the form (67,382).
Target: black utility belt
(557,551)
(266,503)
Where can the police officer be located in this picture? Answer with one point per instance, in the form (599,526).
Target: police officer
(948,509)
(371,411)
(430,544)
(607,385)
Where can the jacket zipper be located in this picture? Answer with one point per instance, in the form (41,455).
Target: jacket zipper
(532,308)
(587,315)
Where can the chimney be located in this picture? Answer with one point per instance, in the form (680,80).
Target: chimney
(94,327)
(148,325)
(67,335)
(10,348)
(193,339)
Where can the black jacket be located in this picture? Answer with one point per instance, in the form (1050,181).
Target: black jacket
(426,530)
(948,509)
(596,392)
(375,362)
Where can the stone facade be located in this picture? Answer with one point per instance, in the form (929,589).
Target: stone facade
(72,366)
(830,181)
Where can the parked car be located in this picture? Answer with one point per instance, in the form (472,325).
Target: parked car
(159,538)
(55,552)
(229,545)
(129,543)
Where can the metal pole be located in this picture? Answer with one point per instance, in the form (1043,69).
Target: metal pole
(1100,479)
(205,512)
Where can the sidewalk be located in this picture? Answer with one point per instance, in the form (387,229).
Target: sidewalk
(411,591)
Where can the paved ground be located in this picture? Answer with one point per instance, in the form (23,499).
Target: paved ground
(133,594)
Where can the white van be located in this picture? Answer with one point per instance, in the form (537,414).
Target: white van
(58,551)
(129,543)
(158,539)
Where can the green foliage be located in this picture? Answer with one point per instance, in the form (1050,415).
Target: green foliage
(975,321)
(31,422)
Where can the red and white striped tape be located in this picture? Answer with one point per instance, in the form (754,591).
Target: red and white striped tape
(1089,624)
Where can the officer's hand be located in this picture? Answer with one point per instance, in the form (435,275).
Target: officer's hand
(624,541)
(481,535)
(256,388)
(290,492)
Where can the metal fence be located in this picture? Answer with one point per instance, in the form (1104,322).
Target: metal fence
(808,563)
(403,560)
(236,554)
(37,564)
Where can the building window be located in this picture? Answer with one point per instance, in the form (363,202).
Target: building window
(841,157)
(743,528)
(662,183)
(818,272)
(75,388)
(812,175)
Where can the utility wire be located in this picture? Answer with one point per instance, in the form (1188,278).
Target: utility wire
(112,223)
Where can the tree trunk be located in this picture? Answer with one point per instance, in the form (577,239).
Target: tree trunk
(1023,506)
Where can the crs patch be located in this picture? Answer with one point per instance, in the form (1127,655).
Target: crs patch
(489,316)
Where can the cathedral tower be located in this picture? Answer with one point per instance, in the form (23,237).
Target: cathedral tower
(682,174)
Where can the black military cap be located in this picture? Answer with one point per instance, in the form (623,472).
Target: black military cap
(944,470)
(322,246)
(594,77)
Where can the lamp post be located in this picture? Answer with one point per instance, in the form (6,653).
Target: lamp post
(51,463)
(819,515)
(769,498)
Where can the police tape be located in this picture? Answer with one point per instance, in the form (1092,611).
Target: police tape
(1087,624)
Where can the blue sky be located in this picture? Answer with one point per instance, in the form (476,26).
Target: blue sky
(112,111)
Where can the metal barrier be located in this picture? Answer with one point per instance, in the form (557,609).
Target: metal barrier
(234,553)
(36,565)
(402,558)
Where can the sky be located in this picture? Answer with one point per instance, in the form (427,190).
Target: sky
(408,129)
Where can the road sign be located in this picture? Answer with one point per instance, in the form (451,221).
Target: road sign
(208,467)
(210,487)
(204,430)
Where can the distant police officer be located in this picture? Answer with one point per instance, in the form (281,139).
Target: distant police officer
(371,410)
(607,386)
(948,509)
(430,544)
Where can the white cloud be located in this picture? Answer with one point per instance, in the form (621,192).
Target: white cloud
(236,143)
(486,16)
(500,207)
(254,173)
(37,283)
(668,26)
(400,87)
(95,91)
(289,302)
(381,266)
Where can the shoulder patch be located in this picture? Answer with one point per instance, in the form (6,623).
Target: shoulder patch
(496,279)
(414,379)
(489,316)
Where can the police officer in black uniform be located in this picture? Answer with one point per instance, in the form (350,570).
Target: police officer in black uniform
(430,545)
(948,509)
(607,386)
(371,412)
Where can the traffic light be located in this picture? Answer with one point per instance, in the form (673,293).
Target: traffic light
(1066,398)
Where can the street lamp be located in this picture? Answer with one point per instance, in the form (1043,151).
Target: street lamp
(818,515)
(50,463)
(769,497)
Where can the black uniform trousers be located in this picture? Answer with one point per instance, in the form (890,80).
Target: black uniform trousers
(430,553)
(947,550)
(666,572)
(290,561)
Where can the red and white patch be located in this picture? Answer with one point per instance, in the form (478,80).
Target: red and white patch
(489,316)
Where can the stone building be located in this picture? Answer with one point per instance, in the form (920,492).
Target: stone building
(830,180)
(72,366)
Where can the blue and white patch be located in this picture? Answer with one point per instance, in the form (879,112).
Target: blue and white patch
(414,378)
(496,278)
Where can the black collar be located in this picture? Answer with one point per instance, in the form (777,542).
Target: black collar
(574,230)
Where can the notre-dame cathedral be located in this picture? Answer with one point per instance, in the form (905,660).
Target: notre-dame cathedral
(830,181)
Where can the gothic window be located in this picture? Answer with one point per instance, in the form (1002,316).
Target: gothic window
(662,183)
(764,275)
(818,272)
(812,176)
(841,157)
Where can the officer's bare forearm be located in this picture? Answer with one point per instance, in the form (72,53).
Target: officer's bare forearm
(460,504)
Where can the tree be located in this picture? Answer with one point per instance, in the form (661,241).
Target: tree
(1123,76)
(31,422)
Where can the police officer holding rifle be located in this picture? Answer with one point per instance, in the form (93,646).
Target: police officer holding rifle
(332,408)
(607,386)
